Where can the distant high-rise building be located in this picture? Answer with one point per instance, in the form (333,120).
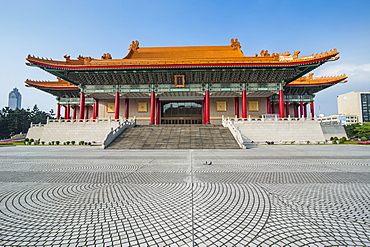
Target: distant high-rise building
(15,99)
(355,103)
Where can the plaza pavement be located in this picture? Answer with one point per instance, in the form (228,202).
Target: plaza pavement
(278,195)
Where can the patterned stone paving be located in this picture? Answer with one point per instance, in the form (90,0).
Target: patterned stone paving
(267,196)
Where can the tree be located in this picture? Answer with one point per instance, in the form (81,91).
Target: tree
(363,130)
(350,129)
(15,121)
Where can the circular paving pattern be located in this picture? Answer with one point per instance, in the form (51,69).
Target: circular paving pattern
(80,197)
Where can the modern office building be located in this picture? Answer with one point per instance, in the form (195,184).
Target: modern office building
(355,103)
(15,99)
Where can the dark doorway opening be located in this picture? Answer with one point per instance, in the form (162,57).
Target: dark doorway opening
(184,112)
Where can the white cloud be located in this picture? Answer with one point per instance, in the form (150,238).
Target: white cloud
(348,69)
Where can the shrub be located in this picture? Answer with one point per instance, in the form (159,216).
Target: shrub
(73,142)
(52,143)
(308,142)
(68,142)
(81,143)
(26,140)
(43,142)
(364,139)
(342,140)
(292,142)
(32,140)
(57,142)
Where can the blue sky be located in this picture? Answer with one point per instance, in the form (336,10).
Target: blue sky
(90,28)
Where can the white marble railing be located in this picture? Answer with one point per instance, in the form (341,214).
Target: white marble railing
(97,121)
(129,123)
(274,119)
(226,122)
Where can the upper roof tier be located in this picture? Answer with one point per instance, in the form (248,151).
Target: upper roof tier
(180,57)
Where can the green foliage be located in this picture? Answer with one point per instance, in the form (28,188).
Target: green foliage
(358,129)
(364,139)
(68,142)
(57,142)
(363,130)
(342,140)
(19,120)
(81,143)
(73,142)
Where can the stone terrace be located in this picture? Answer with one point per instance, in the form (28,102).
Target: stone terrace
(270,195)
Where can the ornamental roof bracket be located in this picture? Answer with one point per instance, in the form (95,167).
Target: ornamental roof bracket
(134,46)
(235,44)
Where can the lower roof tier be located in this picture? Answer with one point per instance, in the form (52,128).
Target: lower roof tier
(302,86)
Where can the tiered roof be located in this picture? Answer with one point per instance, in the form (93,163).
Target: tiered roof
(184,56)
(310,85)
(201,64)
(58,88)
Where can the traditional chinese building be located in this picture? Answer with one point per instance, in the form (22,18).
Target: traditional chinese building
(195,85)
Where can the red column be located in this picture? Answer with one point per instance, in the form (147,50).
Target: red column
(312,108)
(295,107)
(237,107)
(58,111)
(152,107)
(157,111)
(207,108)
(116,106)
(287,110)
(301,113)
(94,111)
(82,105)
(272,107)
(74,115)
(281,103)
(244,104)
(87,112)
(126,108)
(68,114)
(268,106)
(65,112)
(204,109)
(97,108)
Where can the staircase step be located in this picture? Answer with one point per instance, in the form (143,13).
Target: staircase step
(175,137)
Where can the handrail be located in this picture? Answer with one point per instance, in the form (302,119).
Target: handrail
(128,123)
(226,122)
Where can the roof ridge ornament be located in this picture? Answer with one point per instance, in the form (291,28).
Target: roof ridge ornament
(106,56)
(134,46)
(235,44)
